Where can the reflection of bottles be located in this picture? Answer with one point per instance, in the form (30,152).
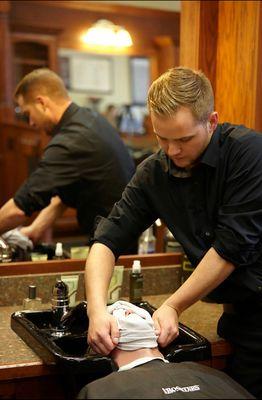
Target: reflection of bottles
(147,242)
(136,283)
(32,302)
(5,251)
(170,243)
(187,268)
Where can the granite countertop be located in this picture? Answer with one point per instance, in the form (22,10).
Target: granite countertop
(15,354)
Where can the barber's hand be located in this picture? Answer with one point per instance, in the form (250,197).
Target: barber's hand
(103,333)
(166,324)
(30,233)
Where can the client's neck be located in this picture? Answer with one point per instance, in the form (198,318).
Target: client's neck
(123,357)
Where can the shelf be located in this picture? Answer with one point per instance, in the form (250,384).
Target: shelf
(31,61)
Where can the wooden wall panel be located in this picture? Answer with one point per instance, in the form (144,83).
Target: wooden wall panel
(5,55)
(258,108)
(208,36)
(71,19)
(237,61)
(198,32)
(189,34)
(168,53)
(224,39)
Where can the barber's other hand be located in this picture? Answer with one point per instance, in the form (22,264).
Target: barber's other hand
(103,333)
(166,324)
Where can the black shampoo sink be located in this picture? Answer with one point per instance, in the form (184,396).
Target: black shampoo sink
(69,348)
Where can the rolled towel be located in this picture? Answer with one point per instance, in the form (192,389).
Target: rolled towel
(135,325)
(15,237)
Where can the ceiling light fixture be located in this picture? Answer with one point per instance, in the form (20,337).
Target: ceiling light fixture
(106,33)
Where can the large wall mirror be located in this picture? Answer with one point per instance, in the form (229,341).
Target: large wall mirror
(115,83)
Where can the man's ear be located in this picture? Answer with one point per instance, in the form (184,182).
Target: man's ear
(213,120)
(43,101)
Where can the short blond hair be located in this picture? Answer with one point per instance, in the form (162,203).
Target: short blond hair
(41,81)
(181,87)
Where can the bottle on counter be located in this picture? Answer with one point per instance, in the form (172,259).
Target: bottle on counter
(171,245)
(136,283)
(32,302)
(59,253)
(147,242)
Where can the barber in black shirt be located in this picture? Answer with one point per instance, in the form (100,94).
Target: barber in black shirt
(206,185)
(85,165)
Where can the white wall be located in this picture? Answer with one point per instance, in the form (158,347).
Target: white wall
(120,82)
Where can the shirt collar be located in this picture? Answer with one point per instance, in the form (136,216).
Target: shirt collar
(211,154)
(71,109)
(209,157)
(140,361)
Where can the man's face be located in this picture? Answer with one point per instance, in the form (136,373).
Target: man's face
(37,113)
(182,138)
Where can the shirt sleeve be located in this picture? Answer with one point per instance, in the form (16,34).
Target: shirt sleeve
(239,226)
(57,169)
(129,217)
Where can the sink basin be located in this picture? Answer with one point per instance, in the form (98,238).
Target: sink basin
(69,348)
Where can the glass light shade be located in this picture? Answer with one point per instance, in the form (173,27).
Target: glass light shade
(105,33)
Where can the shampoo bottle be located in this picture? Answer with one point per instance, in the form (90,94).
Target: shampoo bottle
(136,283)
(59,255)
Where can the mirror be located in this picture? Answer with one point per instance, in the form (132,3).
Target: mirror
(114,85)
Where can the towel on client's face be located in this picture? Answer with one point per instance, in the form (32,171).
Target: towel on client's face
(135,325)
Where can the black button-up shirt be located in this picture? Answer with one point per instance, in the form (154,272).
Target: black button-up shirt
(86,164)
(219,205)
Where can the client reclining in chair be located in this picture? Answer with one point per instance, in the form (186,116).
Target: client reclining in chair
(143,372)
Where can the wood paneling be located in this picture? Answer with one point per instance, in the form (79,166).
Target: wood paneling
(258,113)
(168,53)
(198,34)
(237,65)
(109,8)
(4,6)
(208,39)
(189,34)
(5,64)
(224,40)
(73,18)
(20,147)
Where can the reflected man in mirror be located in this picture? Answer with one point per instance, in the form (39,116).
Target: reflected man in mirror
(85,165)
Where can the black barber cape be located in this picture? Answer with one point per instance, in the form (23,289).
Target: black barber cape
(158,380)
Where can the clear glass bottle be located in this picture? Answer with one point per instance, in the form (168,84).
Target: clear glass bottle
(32,302)
(136,283)
(147,242)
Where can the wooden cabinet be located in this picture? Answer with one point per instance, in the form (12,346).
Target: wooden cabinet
(21,146)
(31,51)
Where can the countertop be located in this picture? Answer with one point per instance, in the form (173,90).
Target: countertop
(17,359)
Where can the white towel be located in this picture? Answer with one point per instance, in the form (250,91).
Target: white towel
(15,237)
(135,325)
